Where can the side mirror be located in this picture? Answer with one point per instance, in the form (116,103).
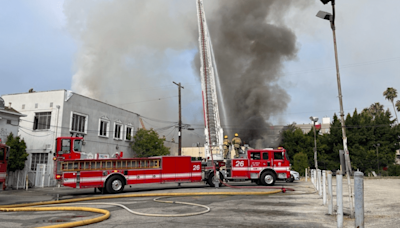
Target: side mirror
(7,153)
(54,154)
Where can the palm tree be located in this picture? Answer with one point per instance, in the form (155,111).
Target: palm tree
(390,94)
(375,108)
(398,105)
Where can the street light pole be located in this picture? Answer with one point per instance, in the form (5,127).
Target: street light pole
(377,155)
(180,120)
(331,18)
(315,119)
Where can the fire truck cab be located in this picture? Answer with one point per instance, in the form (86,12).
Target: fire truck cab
(3,162)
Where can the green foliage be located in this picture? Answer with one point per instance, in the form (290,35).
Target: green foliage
(364,132)
(146,143)
(17,154)
(394,170)
(300,162)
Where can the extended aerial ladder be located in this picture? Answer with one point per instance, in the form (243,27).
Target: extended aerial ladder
(213,130)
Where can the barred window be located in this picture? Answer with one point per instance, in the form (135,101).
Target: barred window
(128,135)
(103,128)
(78,123)
(42,121)
(38,158)
(117,131)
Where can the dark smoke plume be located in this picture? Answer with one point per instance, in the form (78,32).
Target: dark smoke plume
(251,43)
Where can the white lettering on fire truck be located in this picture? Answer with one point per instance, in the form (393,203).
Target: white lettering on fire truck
(196,167)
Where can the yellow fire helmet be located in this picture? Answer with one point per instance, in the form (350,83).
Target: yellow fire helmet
(225,136)
(236,134)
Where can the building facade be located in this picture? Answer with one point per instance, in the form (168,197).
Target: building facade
(9,121)
(106,129)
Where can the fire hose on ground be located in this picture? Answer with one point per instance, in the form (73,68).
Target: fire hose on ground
(106,214)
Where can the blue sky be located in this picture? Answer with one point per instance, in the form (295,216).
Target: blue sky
(39,50)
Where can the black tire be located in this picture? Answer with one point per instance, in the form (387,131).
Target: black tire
(291,179)
(210,179)
(268,178)
(115,184)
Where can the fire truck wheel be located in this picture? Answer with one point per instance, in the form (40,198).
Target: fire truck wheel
(115,184)
(268,178)
(210,179)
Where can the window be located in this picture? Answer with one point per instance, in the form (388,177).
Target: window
(78,122)
(117,131)
(65,146)
(38,158)
(255,155)
(128,133)
(36,105)
(51,104)
(103,127)
(9,122)
(78,145)
(278,155)
(265,156)
(42,121)
(23,106)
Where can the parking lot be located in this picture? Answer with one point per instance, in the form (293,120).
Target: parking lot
(301,208)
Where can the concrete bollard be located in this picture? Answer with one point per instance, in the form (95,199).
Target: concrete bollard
(319,182)
(330,193)
(339,199)
(312,177)
(359,199)
(323,187)
(306,174)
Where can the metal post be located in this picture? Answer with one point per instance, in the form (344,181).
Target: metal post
(330,201)
(339,199)
(315,148)
(180,120)
(359,199)
(324,187)
(346,151)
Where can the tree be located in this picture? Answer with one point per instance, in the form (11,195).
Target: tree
(146,143)
(17,155)
(300,162)
(398,105)
(390,94)
(375,108)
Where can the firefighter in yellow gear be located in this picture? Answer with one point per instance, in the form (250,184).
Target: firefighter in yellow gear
(236,142)
(226,143)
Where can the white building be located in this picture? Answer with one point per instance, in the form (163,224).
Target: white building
(9,121)
(50,114)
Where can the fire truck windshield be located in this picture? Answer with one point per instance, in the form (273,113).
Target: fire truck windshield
(78,145)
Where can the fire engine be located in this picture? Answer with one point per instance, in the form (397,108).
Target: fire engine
(3,163)
(110,175)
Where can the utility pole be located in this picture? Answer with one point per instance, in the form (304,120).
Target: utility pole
(180,120)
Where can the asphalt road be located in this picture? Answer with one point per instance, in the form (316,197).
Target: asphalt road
(302,208)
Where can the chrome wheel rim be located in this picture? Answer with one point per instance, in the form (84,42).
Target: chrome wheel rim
(268,179)
(116,185)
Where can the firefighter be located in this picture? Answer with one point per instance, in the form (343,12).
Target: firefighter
(226,146)
(236,142)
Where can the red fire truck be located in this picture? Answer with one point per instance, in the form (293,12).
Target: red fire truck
(112,174)
(3,163)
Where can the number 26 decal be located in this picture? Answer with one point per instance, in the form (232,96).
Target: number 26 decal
(239,163)
(196,167)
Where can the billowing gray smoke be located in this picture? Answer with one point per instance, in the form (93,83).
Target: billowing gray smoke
(251,44)
(131,51)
